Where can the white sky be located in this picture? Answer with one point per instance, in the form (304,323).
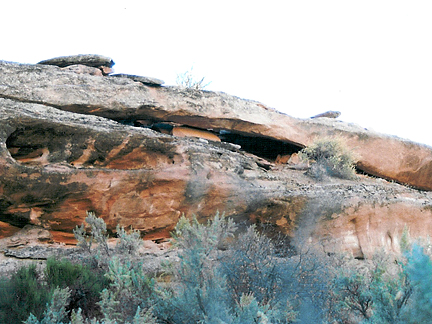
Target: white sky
(371,60)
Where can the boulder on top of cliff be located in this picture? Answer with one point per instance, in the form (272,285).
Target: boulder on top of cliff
(328,114)
(122,99)
(92,60)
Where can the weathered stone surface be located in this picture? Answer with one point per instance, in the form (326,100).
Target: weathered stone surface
(27,235)
(142,79)
(106,70)
(328,114)
(83,69)
(67,146)
(122,99)
(55,165)
(182,131)
(7,230)
(92,60)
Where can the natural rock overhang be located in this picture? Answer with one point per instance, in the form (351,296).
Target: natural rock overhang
(55,165)
(122,98)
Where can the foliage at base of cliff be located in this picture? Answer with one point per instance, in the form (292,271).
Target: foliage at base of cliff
(224,274)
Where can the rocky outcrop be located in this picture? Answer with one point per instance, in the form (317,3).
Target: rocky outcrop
(122,99)
(101,65)
(145,80)
(92,60)
(142,155)
(328,114)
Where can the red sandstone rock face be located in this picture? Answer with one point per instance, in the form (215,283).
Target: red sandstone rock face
(56,165)
(61,154)
(122,98)
(363,228)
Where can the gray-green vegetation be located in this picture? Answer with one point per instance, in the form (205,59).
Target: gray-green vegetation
(329,157)
(224,274)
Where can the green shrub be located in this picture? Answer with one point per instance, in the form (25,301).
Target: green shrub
(224,275)
(199,292)
(329,157)
(251,268)
(22,294)
(378,291)
(85,284)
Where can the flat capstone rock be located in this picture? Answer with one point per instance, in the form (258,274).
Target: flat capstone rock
(92,60)
(142,79)
(328,114)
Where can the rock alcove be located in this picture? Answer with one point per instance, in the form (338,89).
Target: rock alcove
(41,146)
(267,148)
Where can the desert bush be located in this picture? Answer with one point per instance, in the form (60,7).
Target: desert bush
(391,289)
(129,242)
(130,294)
(353,294)
(215,286)
(311,272)
(329,157)
(373,291)
(188,80)
(85,284)
(251,268)
(98,234)
(199,292)
(419,269)
(56,309)
(224,275)
(22,294)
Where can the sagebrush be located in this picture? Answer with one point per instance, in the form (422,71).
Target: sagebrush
(330,157)
(224,274)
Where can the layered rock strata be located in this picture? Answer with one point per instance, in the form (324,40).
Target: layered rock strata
(123,99)
(71,143)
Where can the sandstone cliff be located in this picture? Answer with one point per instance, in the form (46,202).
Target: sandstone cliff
(139,153)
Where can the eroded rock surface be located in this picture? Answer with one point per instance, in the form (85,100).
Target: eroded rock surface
(123,99)
(145,80)
(93,60)
(73,142)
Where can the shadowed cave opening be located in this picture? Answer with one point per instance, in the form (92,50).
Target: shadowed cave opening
(29,146)
(263,147)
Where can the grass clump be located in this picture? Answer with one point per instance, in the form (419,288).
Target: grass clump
(187,80)
(329,157)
